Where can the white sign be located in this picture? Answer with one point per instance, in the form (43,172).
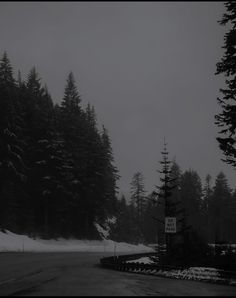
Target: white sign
(170,225)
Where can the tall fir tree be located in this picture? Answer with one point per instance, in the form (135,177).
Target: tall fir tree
(164,193)
(226,120)
(73,128)
(110,172)
(68,162)
(6,72)
(191,196)
(207,196)
(218,209)
(12,168)
(232,218)
(138,194)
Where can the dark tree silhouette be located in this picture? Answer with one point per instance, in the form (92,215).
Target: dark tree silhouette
(165,193)
(226,120)
(12,166)
(219,207)
(138,195)
(57,176)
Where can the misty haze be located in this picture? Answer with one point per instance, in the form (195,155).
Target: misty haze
(118,148)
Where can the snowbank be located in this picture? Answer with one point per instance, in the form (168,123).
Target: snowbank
(192,273)
(144,260)
(10,242)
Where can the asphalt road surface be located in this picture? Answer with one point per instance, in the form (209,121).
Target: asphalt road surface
(80,274)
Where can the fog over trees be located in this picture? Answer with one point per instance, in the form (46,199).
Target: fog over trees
(58,174)
(57,170)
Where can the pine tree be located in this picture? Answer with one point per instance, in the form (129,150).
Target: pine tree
(121,229)
(175,179)
(194,245)
(191,196)
(219,209)
(19,79)
(33,84)
(72,117)
(72,127)
(40,132)
(125,228)
(71,99)
(12,167)
(93,175)
(226,120)
(177,204)
(232,219)
(138,198)
(68,163)
(91,117)
(6,72)
(110,172)
(150,227)
(64,182)
(207,195)
(164,196)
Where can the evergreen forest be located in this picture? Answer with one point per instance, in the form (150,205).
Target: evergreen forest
(58,175)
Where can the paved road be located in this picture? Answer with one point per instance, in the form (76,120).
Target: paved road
(80,274)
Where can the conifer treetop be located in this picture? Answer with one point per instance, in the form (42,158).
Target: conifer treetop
(71,95)
(6,72)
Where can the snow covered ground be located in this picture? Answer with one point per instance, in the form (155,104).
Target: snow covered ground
(192,273)
(144,260)
(11,242)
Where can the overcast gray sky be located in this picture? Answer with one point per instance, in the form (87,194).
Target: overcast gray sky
(147,67)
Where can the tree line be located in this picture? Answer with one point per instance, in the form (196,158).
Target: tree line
(57,172)
(209,211)
(226,119)
(205,210)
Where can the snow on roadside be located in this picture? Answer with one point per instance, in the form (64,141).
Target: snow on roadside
(11,242)
(144,260)
(191,273)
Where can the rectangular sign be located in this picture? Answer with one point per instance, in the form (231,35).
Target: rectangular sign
(170,225)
